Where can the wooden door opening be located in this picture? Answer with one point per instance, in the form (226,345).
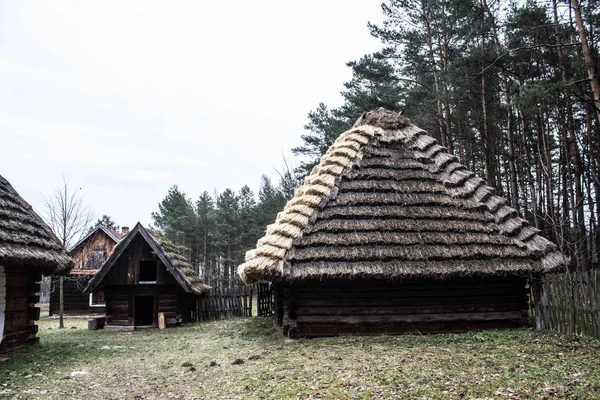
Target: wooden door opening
(144,311)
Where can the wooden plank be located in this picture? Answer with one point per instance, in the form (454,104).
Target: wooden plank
(377,302)
(393,310)
(375,319)
(162,324)
(402,292)
(315,330)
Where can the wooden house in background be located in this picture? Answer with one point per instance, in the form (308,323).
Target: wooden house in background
(147,275)
(391,234)
(28,249)
(89,255)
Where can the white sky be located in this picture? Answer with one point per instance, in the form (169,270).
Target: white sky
(125,99)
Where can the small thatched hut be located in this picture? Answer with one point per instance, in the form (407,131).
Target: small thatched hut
(144,276)
(390,234)
(28,249)
(89,255)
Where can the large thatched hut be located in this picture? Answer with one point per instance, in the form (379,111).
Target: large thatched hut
(390,234)
(28,249)
(146,275)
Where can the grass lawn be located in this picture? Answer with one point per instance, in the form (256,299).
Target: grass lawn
(247,358)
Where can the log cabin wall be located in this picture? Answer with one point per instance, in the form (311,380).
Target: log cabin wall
(20,312)
(171,300)
(75,301)
(313,308)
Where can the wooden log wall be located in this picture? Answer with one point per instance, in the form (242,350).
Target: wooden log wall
(75,301)
(170,300)
(569,303)
(314,308)
(20,312)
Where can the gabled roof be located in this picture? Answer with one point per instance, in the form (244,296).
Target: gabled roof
(386,201)
(25,239)
(115,236)
(175,263)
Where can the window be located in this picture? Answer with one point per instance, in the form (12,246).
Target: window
(147,272)
(97,299)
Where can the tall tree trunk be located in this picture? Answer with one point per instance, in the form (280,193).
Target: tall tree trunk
(488,147)
(514,192)
(436,78)
(587,55)
(532,193)
(573,148)
(61,302)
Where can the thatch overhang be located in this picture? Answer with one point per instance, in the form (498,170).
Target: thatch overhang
(386,201)
(174,261)
(25,239)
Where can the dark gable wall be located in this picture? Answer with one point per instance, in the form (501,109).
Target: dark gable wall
(125,270)
(121,285)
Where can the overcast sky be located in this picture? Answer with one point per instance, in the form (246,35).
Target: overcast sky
(126,99)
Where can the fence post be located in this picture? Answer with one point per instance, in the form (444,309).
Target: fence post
(539,300)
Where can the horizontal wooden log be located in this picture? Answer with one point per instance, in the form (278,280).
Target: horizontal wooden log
(119,322)
(314,330)
(412,309)
(378,319)
(402,292)
(360,285)
(378,302)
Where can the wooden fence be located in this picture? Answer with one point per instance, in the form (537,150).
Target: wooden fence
(264,298)
(569,303)
(220,303)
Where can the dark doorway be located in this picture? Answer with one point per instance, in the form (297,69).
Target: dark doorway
(144,310)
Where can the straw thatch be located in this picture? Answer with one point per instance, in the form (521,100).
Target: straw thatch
(387,201)
(177,264)
(25,239)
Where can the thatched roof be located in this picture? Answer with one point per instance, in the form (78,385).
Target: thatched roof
(113,235)
(174,261)
(25,239)
(386,201)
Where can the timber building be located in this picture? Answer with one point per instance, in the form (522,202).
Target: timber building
(89,255)
(391,234)
(28,249)
(144,276)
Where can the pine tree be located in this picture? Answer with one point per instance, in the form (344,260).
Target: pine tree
(176,219)
(205,231)
(227,234)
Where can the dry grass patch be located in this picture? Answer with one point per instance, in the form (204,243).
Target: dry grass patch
(247,358)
